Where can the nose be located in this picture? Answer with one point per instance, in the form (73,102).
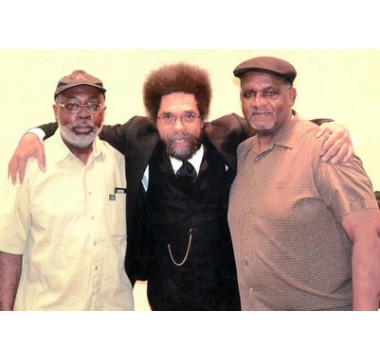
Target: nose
(84,113)
(258,100)
(178,124)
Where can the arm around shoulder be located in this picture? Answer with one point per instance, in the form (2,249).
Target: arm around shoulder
(28,146)
(339,144)
(118,136)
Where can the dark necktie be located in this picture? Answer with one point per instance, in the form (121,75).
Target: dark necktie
(187,171)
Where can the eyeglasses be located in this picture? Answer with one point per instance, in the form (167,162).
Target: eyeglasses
(187,118)
(75,107)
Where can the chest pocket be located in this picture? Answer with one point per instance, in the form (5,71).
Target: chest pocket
(116,215)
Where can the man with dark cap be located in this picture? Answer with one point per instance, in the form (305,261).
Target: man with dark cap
(62,232)
(305,232)
(178,237)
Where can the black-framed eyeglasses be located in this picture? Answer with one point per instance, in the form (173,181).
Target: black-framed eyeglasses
(187,118)
(74,108)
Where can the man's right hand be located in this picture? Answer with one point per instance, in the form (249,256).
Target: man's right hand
(29,146)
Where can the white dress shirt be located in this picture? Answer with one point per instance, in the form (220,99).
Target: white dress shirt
(195,160)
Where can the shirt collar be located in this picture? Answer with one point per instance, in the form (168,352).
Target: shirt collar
(195,160)
(284,136)
(59,151)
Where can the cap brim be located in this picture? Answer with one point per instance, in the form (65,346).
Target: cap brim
(240,72)
(61,89)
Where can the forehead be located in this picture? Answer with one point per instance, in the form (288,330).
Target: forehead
(178,100)
(260,79)
(84,91)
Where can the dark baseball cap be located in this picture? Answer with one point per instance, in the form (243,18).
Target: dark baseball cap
(267,64)
(78,78)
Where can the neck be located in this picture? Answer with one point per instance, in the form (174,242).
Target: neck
(264,141)
(266,136)
(83,154)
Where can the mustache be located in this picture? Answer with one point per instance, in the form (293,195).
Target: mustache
(261,112)
(181,136)
(84,123)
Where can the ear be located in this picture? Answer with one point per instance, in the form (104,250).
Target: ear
(103,114)
(241,96)
(55,108)
(292,95)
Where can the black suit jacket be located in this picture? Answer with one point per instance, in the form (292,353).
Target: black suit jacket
(138,139)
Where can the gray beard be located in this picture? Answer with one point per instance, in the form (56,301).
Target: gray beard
(182,153)
(75,140)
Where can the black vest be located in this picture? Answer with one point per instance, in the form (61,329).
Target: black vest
(176,207)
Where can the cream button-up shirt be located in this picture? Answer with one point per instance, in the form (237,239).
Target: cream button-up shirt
(69,223)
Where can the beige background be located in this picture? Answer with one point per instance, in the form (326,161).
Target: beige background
(340,84)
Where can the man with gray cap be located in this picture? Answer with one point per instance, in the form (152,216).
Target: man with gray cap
(62,232)
(305,232)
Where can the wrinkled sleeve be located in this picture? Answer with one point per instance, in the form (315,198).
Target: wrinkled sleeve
(345,187)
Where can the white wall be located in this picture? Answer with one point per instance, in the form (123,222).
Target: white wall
(340,84)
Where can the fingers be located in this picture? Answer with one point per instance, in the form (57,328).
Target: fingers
(17,167)
(340,155)
(336,154)
(12,169)
(332,150)
(349,154)
(21,169)
(337,147)
(29,146)
(332,144)
(322,131)
(41,158)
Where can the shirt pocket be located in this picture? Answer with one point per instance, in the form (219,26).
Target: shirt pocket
(116,215)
